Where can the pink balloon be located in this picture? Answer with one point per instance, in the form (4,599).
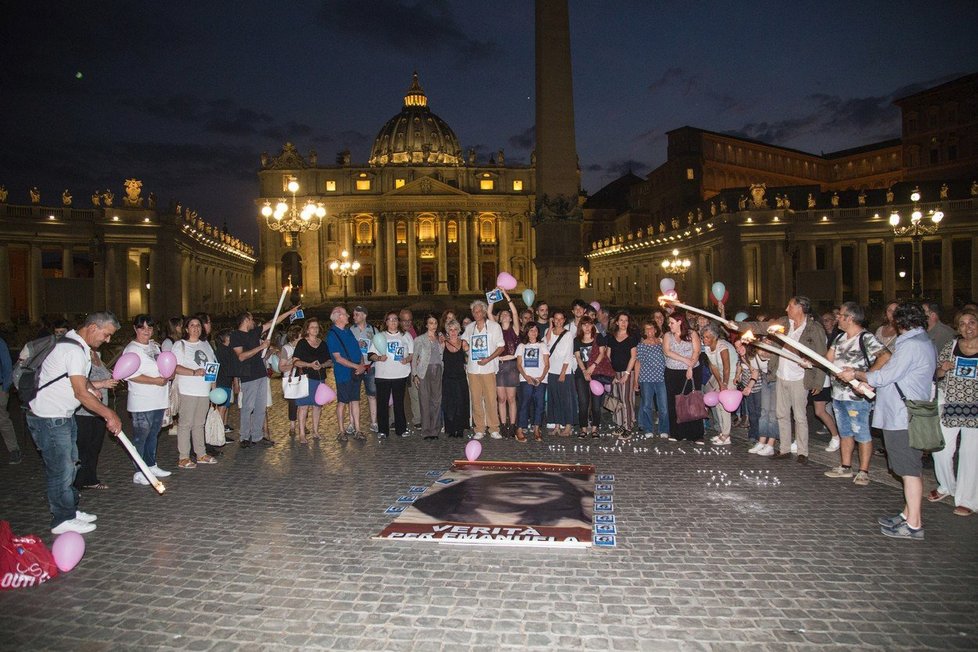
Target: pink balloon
(324,394)
(166,362)
(473,450)
(67,550)
(125,366)
(596,306)
(710,399)
(596,387)
(506,281)
(730,399)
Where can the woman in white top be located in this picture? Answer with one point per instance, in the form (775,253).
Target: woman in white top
(560,382)
(533,364)
(292,336)
(193,355)
(149,396)
(393,368)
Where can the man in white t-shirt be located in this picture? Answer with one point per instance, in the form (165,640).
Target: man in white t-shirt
(483,342)
(63,386)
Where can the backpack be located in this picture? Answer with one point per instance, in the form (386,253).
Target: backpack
(27,372)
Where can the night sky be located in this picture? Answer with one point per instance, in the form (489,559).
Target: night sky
(186,95)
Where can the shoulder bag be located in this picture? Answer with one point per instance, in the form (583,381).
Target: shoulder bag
(690,405)
(294,386)
(923,423)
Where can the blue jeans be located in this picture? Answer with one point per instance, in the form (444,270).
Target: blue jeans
(57,439)
(768,423)
(145,430)
(852,418)
(752,405)
(531,405)
(653,394)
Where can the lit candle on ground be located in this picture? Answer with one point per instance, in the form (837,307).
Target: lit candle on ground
(778,332)
(137,458)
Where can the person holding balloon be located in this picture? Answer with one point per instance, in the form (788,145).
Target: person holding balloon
(723,374)
(533,364)
(589,349)
(508,377)
(483,342)
(310,357)
(193,354)
(149,394)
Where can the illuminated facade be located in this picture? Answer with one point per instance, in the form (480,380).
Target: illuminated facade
(421,217)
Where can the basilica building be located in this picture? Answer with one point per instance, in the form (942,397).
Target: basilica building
(420,217)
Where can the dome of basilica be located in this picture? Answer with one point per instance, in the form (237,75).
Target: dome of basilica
(416,136)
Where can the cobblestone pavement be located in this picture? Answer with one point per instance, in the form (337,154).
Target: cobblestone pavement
(271,549)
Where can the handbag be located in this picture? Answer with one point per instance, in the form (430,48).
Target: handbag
(603,372)
(923,423)
(173,407)
(610,403)
(690,406)
(24,561)
(295,386)
(214,428)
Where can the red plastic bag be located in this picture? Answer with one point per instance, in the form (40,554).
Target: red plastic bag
(24,561)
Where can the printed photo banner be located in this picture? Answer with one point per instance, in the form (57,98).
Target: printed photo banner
(502,503)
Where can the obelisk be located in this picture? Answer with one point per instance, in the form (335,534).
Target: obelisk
(557,220)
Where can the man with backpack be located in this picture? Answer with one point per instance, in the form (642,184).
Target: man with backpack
(59,387)
(855,348)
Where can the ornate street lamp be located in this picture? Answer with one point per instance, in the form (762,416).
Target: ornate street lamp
(916,229)
(675,265)
(345,269)
(291,220)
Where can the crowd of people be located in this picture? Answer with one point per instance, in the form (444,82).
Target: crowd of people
(495,371)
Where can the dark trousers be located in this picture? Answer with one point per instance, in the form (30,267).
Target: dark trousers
(91,435)
(588,405)
(385,388)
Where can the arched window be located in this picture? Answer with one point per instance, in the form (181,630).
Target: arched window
(365,232)
(400,233)
(519,230)
(452,231)
(426,229)
(487,230)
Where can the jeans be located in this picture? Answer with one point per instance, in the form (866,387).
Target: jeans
(768,421)
(145,430)
(57,440)
(752,405)
(653,394)
(531,405)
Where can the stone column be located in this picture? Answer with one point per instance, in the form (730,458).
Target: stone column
(380,243)
(463,254)
(889,271)
(391,261)
(156,285)
(947,271)
(34,280)
(837,264)
(503,228)
(862,273)
(441,287)
(4,284)
(412,261)
(475,274)
(67,262)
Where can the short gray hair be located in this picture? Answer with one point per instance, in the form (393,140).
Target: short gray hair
(803,302)
(452,323)
(856,312)
(337,311)
(478,302)
(101,319)
(713,327)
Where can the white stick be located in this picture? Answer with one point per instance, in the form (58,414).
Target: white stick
(777,351)
(153,480)
(732,325)
(278,310)
(862,388)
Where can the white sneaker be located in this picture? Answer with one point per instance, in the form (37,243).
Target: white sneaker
(767,450)
(478,435)
(794,447)
(551,426)
(495,435)
(73,525)
(833,445)
(757,447)
(663,435)
(158,472)
(139,478)
(85,516)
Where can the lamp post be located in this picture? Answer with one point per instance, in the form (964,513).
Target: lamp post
(916,229)
(291,220)
(675,265)
(345,269)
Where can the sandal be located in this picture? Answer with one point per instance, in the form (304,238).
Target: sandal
(936,496)
(187,463)
(720,441)
(206,459)
(520,437)
(100,485)
(536,434)
(961,510)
